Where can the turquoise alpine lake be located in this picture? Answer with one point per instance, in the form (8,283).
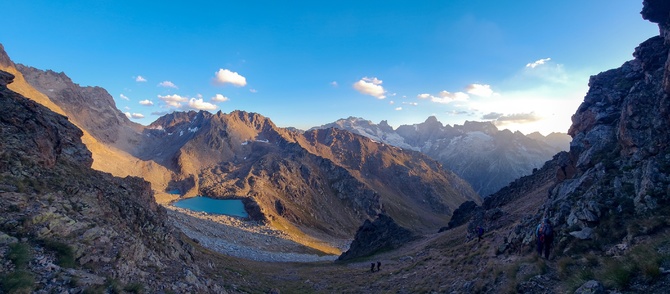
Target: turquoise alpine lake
(233,207)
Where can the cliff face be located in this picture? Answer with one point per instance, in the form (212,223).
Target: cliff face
(91,108)
(77,228)
(614,183)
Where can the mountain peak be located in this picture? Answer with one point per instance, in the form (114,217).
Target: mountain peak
(4,58)
(486,127)
(432,120)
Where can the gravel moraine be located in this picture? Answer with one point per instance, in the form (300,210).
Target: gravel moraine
(239,238)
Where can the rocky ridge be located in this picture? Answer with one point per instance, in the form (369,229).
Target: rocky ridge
(609,196)
(325,183)
(478,152)
(77,228)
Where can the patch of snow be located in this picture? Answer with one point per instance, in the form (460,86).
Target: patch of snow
(193,130)
(181,133)
(245,143)
(263,141)
(169,134)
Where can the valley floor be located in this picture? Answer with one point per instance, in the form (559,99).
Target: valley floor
(243,239)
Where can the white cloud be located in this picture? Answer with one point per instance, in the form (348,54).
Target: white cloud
(370,86)
(126,108)
(391,102)
(225,76)
(134,115)
(479,90)
(492,116)
(176,101)
(219,98)
(398,108)
(173,100)
(500,119)
(410,103)
(147,102)
(167,84)
(334,83)
(445,97)
(459,112)
(124,97)
(140,79)
(538,62)
(199,104)
(253,90)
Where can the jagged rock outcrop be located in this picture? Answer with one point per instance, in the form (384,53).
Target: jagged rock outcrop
(91,108)
(616,175)
(108,134)
(462,215)
(78,228)
(379,235)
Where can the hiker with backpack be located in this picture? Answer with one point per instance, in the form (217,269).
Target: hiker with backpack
(545,237)
(480,232)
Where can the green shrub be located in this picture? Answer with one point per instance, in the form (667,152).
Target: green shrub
(134,288)
(113,286)
(19,281)
(19,254)
(618,274)
(64,253)
(95,289)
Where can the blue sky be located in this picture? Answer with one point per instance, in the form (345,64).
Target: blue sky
(522,64)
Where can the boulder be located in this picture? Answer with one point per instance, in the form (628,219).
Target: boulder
(583,234)
(591,287)
(372,237)
(5,78)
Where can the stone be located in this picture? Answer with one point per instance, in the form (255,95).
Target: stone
(7,239)
(591,287)
(583,234)
(5,78)
(382,234)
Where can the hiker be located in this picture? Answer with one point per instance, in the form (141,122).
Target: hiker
(379,266)
(545,236)
(480,232)
(372,267)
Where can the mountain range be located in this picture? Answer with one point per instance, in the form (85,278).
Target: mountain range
(480,153)
(320,185)
(79,184)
